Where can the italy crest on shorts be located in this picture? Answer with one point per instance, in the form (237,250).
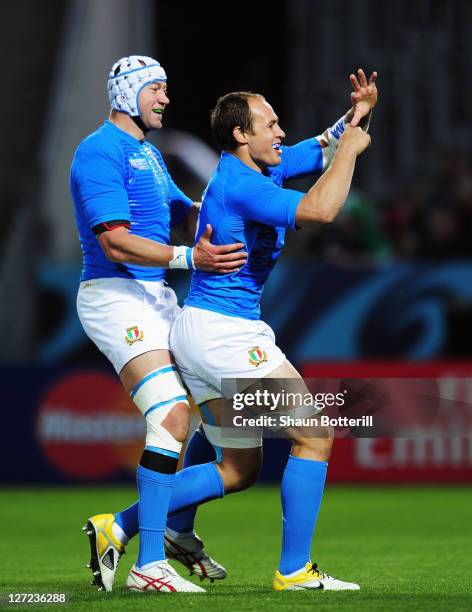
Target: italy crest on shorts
(133,334)
(257,356)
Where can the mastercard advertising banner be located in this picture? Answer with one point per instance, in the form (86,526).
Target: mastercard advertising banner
(88,428)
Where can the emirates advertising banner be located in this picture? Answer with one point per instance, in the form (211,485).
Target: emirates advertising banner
(429,405)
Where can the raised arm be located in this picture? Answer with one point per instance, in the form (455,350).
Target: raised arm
(325,199)
(363,99)
(316,154)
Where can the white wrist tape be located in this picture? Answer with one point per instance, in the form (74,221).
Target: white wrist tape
(182,258)
(334,133)
(331,136)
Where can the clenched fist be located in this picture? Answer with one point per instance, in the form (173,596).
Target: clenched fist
(354,138)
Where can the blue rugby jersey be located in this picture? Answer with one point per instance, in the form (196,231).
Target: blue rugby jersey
(243,205)
(115,176)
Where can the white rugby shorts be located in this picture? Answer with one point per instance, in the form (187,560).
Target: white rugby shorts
(126,317)
(209,346)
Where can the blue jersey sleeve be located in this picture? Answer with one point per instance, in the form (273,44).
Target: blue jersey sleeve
(303,158)
(258,198)
(98,179)
(179,203)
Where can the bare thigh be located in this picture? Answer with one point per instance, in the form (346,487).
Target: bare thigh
(308,442)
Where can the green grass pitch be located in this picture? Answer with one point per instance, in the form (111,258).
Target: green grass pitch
(409,548)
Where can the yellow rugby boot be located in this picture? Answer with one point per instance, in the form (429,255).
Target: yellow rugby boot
(105,550)
(311,578)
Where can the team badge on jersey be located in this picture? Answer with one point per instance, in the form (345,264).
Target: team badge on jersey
(133,334)
(257,356)
(138,163)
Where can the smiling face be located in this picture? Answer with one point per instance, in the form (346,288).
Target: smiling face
(152,101)
(263,142)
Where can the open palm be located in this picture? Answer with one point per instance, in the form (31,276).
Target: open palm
(364,96)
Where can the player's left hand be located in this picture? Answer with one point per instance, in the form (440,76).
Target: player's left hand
(364,96)
(222,259)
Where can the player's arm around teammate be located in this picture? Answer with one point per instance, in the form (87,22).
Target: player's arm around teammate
(126,203)
(121,246)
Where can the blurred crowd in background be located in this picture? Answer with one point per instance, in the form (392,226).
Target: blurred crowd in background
(427,217)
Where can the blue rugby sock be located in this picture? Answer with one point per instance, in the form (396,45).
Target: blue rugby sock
(128,520)
(302,491)
(155,490)
(192,486)
(198,451)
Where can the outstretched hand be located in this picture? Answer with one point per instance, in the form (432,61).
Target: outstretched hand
(364,96)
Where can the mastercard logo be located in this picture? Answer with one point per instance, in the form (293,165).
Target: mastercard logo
(89,428)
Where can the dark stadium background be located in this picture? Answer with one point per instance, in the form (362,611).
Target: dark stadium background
(388,285)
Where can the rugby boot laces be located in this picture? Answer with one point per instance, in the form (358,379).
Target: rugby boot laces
(160,578)
(311,577)
(329,583)
(105,550)
(191,553)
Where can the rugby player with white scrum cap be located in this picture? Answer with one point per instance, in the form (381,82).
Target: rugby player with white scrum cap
(125,204)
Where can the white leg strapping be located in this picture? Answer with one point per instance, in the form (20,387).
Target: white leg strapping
(155,396)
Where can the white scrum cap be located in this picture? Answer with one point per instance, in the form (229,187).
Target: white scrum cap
(127,77)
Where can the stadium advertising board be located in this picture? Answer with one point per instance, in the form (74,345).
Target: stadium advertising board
(436,452)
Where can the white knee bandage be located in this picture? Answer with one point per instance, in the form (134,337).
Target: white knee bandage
(155,396)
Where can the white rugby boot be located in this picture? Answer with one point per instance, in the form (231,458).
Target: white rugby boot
(160,578)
